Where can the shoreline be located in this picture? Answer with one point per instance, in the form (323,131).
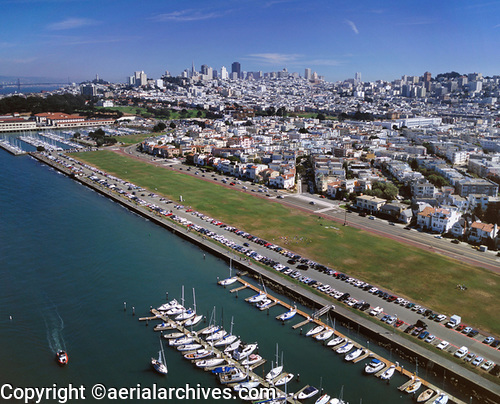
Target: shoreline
(472,383)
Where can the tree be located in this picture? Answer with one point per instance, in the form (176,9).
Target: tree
(199,114)
(414,164)
(303,130)
(321,117)
(173,125)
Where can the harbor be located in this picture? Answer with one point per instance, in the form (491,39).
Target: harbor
(219,252)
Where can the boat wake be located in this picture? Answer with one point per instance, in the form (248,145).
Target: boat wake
(54,325)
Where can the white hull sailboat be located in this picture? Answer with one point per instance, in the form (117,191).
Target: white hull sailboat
(315,330)
(244,351)
(335,341)
(231,279)
(169,305)
(345,348)
(284,379)
(233,347)
(288,315)
(276,370)
(160,364)
(324,335)
(189,347)
(308,392)
(210,362)
(216,336)
(226,340)
(354,354)
(193,320)
(258,297)
(388,373)
(251,359)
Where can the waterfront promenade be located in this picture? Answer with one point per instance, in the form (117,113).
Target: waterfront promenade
(285,285)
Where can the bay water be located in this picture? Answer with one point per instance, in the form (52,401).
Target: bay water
(70,259)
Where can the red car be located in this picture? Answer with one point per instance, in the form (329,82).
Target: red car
(398,323)
(461,327)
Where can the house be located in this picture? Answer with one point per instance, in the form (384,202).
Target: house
(480,232)
(460,228)
(284,181)
(369,203)
(438,220)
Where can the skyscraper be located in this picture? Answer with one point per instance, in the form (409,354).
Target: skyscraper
(307,74)
(223,73)
(236,68)
(357,77)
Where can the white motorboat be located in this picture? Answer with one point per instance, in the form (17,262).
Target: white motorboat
(264,303)
(216,336)
(308,392)
(186,339)
(233,346)
(374,366)
(160,364)
(284,379)
(288,315)
(175,310)
(258,297)
(324,335)
(198,354)
(209,362)
(315,330)
(193,320)
(163,327)
(388,373)
(335,341)
(345,348)
(173,335)
(323,399)
(251,384)
(232,376)
(189,347)
(169,305)
(441,399)
(354,354)
(226,340)
(251,359)
(243,351)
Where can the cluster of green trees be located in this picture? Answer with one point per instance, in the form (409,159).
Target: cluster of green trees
(431,176)
(67,103)
(100,138)
(384,190)
(490,215)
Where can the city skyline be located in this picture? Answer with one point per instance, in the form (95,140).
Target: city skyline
(381,40)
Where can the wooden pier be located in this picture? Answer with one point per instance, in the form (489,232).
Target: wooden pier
(316,321)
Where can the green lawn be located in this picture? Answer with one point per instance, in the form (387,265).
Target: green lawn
(127,140)
(421,276)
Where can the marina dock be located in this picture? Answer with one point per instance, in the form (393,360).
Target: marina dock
(315,321)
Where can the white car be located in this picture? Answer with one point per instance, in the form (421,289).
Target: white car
(443,345)
(441,317)
(487,365)
(460,353)
(430,338)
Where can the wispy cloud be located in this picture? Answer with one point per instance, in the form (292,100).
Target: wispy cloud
(273,58)
(187,15)
(273,2)
(497,26)
(71,23)
(353,26)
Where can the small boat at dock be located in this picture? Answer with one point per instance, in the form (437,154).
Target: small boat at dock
(425,396)
(288,315)
(354,354)
(233,346)
(324,399)
(308,392)
(335,341)
(189,347)
(233,376)
(209,362)
(216,336)
(173,335)
(324,335)
(374,366)
(251,359)
(413,387)
(388,373)
(226,340)
(315,330)
(198,354)
(168,306)
(258,297)
(441,399)
(284,379)
(345,348)
(244,351)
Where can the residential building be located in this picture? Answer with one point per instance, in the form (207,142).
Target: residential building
(369,203)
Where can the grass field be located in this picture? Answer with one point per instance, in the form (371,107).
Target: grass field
(421,276)
(190,113)
(133,139)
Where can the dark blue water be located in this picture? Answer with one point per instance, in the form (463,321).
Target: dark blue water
(70,258)
(13,90)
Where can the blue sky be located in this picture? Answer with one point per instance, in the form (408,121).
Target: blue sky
(380,39)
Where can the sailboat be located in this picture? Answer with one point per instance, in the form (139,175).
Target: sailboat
(315,330)
(177,308)
(259,297)
(275,371)
(289,314)
(388,373)
(231,279)
(160,364)
(228,338)
(188,314)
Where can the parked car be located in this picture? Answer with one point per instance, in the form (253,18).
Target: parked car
(443,345)
(470,356)
(473,333)
(430,338)
(487,365)
(461,352)
(488,340)
(477,361)
(423,335)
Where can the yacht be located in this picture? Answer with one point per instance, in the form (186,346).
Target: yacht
(315,330)
(388,373)
(308,392)
(288,315)
(345,348)
(374,366)
(244,350)
(324,335)
(354,354)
